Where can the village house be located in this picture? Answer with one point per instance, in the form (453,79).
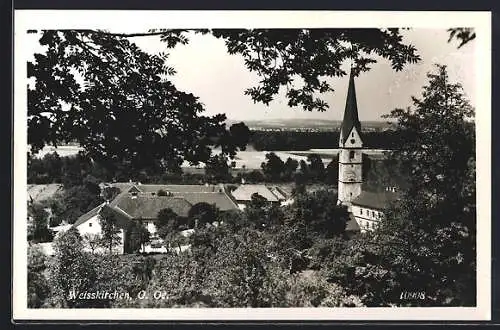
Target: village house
(368,208)
(143,202)
(274,195)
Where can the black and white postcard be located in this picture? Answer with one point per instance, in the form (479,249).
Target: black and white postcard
(263,165)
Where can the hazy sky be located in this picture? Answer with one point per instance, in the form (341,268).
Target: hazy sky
(205,69)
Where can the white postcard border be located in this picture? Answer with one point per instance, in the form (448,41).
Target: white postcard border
(143,20)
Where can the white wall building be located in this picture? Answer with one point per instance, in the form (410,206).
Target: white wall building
(368,208)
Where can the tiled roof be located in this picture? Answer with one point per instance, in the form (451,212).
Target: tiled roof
(121,217)
(245,192)
(375,200)
(87,216)
(180,188)
(221,200)
(280,193)
(192,193)
(147,207)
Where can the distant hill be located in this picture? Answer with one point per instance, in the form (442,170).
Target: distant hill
(306,124)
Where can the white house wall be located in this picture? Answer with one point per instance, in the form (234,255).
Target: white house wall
(150,225)
(367,218)
(93,227)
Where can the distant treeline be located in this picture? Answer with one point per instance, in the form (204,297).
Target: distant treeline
(297,140)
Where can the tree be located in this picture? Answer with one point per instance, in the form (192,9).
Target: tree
(464,35)
(109,193)
(109,230)
(262,214)
(159,125)
(38,288)
(74,201)
(233,220)
(71,271)
(167,222)
(305,174)
(162,192)
(273,168)
(241,276)
(217,169)
(255,176)
(384,173)
(202,213)
(93,241)
(240,135)
(138,236)
(38,230)
(175,129)
(332,171)
(316,167)
(439,154)
(290,169)
(286,58)
(319,213)
(60,105)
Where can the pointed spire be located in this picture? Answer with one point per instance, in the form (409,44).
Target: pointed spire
(351,110)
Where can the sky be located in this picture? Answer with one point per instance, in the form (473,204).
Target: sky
(205,69)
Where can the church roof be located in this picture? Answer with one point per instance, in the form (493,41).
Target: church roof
(351,118)
(375,200)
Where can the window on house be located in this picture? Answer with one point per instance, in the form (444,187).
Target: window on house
(353,141)
(352,134)
(351,154)
(361,211)
(90,224)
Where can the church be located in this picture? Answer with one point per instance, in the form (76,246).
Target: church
(366,208)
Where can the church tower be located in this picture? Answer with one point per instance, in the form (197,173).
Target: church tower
(350,155)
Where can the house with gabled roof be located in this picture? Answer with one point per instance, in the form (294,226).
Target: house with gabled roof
(143,202)
(90,224)
(243,194)
(369,207)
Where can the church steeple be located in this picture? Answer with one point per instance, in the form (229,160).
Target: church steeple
(351,118)
(351,149)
